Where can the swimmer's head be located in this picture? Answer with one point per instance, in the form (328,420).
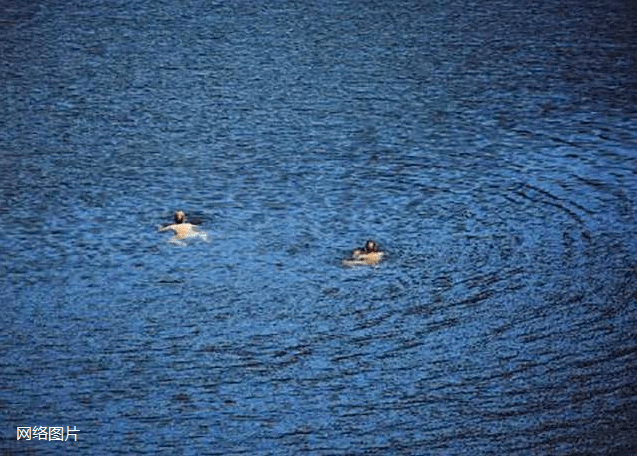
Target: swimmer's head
(371,246)
(180,217)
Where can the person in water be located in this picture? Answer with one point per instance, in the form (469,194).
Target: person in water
(183,229)
(370,255)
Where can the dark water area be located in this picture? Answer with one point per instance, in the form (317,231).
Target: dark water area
(489,147)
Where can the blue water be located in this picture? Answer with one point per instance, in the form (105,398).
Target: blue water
(489,147)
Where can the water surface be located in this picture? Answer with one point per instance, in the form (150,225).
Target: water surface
(490,148)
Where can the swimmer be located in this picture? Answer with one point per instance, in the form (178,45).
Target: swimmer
(183,229)
(370,255)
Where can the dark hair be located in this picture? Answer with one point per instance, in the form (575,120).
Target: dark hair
(180,217)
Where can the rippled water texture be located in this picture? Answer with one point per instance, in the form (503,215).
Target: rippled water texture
(489,147)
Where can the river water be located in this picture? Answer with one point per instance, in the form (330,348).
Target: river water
(490,148)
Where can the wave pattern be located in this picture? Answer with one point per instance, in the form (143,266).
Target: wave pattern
(489,149)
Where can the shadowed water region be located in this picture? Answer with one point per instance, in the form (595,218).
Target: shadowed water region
(490,148)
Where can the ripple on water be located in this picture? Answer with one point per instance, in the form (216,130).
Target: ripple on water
(491,157)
